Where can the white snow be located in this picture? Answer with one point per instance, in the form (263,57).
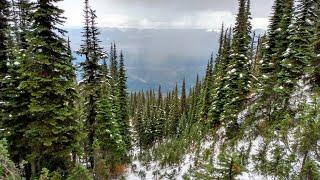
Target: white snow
(309,22)
(287,53)
(232,71)
(242,115)
(302,94)
(265,76)
(153,170)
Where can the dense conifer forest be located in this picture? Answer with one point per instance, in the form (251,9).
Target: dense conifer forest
(255,114)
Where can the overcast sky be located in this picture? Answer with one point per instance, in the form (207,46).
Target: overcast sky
(170,40)
(186,14)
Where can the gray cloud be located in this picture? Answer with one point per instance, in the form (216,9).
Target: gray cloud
(163,40)
(159,56)
(203,14)
(260,8)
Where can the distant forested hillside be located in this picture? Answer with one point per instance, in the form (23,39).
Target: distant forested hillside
(158,56)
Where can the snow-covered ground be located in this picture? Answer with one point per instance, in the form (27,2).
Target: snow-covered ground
(153,170)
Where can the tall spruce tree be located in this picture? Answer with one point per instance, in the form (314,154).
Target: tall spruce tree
(14,112)
(238,76)
(4,33)
(4,15)
(300,53)
(220,80)
(123,103)
(114,64)
(208,83)
(160,116)
(91,75)
(316,74)
(108,131)
(277,41)
(273,51)
(184,106)
(48,76)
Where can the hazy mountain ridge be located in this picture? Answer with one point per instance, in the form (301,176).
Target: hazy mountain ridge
(158,56)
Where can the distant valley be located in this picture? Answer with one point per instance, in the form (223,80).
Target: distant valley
(158,56)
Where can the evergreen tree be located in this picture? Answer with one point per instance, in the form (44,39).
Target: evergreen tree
(273,51)
(14,114)
(160,116)
(256,66)
(300,53)
(14,110)
(21,17)
(4,15)
(108,131)
(206,98)
(4,33)
(218,92)
(316,70)
(174,113)
(277,42)
(195,111)
(123,103)
(91,76)
(114,64)
(184,107)
(238,77)
(7,167)
(48,77)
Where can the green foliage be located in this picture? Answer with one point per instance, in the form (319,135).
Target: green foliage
(108,135)
(7,167)
(238,77)
(171,152)
(47,75)
(230,165)
(79,173)
(46,175)
(42,114)
(4,9)
(123,104)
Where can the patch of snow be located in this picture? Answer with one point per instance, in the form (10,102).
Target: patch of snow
(287,53)
(309,22)
(232,71)
(242,116)
(302,94)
